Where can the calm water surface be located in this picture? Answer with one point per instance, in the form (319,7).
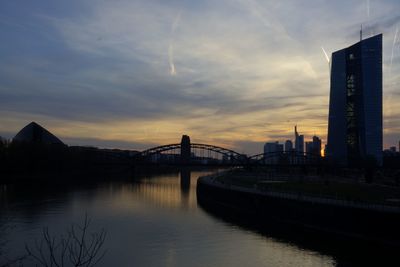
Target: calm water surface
(151,221)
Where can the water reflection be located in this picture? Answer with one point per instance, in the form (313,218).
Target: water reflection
(170,191)
(152,220)
(185,185)
(339,250)
(185,181)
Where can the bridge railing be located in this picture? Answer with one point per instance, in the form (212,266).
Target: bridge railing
(285,158)
(228,156)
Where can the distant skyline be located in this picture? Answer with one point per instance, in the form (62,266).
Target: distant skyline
(133,74)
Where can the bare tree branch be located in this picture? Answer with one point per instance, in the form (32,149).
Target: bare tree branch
(80,247)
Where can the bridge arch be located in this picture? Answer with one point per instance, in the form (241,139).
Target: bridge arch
(233,156)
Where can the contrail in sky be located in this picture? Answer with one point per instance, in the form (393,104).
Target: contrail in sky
(328,59)
(172,69)
(326,55)
(368,16)
(388,96)
(367,13)
(393,47)
(175,24)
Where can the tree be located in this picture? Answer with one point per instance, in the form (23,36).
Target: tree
(77,248)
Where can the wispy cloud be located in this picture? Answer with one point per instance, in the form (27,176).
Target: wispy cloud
(148,71)
(171,44)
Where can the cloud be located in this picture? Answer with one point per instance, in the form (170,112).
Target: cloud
(171,46)
(381,24)
(246,70)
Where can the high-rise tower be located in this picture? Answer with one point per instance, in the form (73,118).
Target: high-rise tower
(355,104)
(298,141)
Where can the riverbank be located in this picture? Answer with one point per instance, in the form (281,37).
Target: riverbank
(270,200)
(333,188)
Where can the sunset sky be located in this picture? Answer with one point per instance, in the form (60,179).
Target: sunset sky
(135,74)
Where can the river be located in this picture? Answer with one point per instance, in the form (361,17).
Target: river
(151,220)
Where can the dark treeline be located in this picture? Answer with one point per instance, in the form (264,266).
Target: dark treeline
(24,161)
(20,161)
(32,161)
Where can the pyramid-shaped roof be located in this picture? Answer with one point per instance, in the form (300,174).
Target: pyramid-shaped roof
(34,133)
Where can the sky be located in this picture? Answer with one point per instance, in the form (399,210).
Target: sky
(136,74)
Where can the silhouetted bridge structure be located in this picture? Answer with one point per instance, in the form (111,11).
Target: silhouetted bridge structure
(187,153)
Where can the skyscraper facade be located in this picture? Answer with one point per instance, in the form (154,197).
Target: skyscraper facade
(272,151)
(298,141)
(288,146)
(355,104)
(309,147)
(316,145)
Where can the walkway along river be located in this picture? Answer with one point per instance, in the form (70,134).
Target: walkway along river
(374,224)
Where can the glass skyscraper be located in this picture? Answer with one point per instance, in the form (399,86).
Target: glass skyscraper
(355,104)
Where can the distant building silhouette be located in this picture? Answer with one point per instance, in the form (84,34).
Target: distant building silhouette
(271,147)
(34,133)
(314,146)
(299,141)
(288,146)
(272,151)
(309,147)
(355,104)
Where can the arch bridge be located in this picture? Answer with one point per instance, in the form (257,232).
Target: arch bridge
(197,153)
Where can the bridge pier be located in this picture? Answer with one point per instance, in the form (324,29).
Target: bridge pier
(185,149)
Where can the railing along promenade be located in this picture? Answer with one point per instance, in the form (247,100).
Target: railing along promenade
(218,180)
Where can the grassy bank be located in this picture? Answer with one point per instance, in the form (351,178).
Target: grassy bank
(326,187)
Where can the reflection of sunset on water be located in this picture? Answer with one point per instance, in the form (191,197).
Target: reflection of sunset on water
(164,191)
